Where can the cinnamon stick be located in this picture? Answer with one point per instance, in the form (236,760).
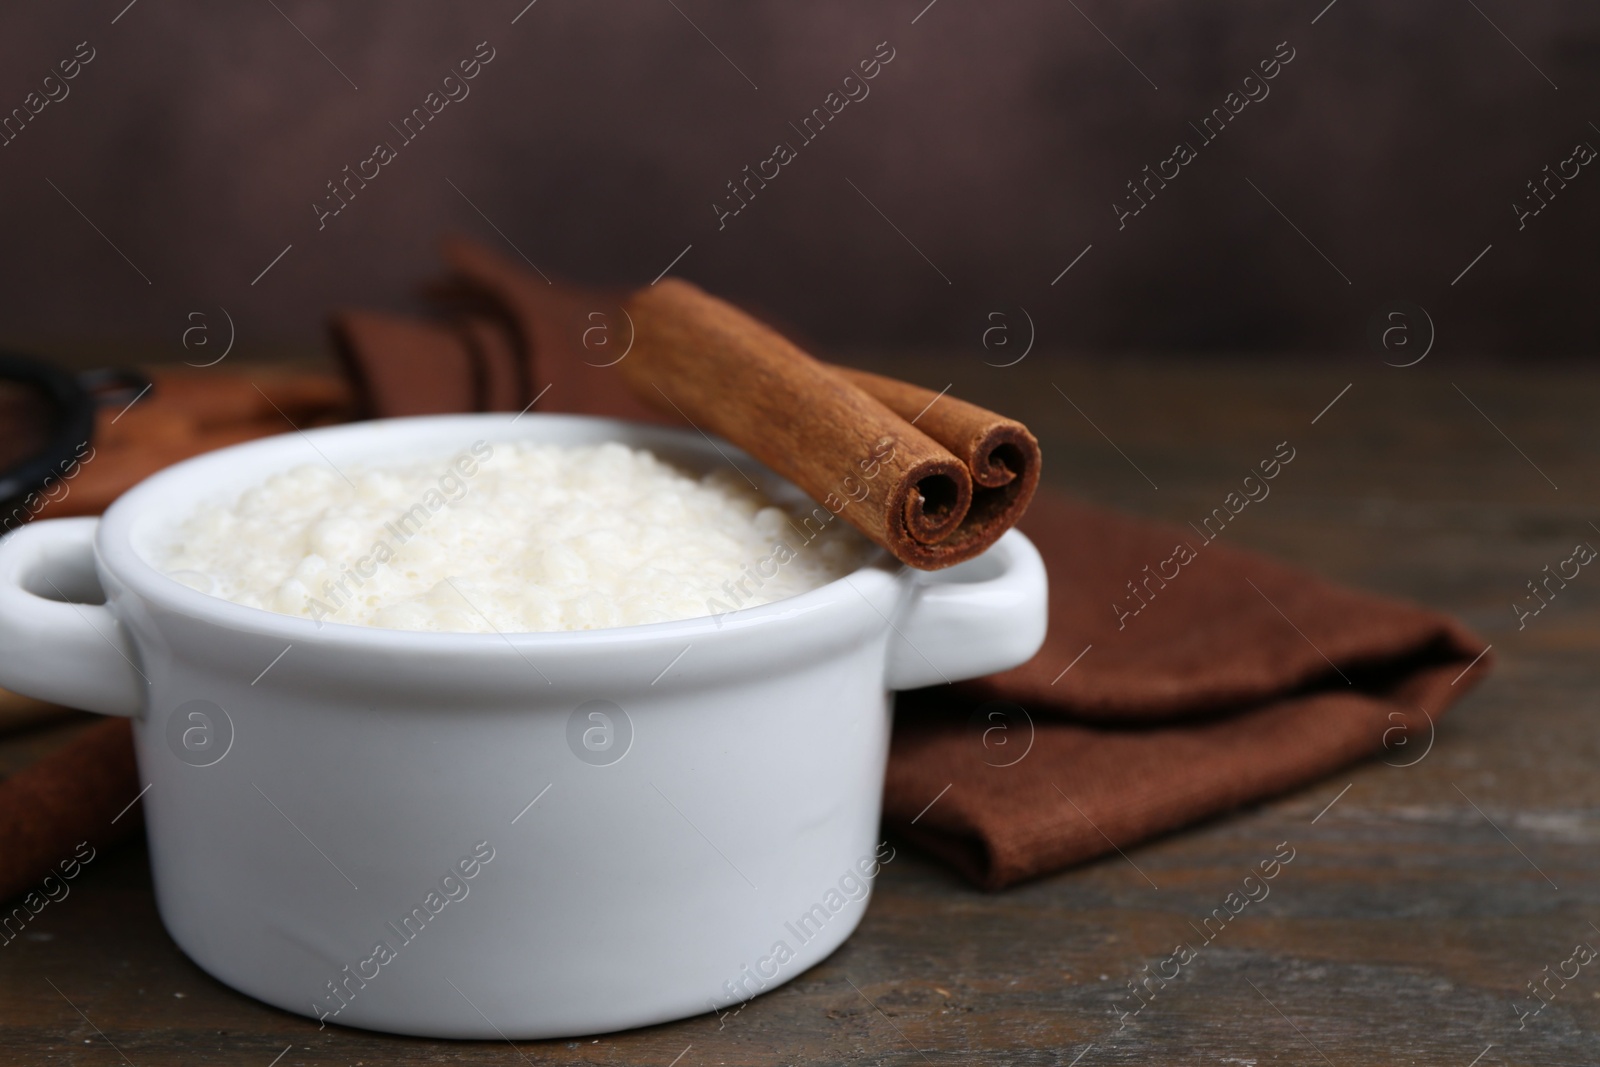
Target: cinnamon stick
(1001,454)
(726,373)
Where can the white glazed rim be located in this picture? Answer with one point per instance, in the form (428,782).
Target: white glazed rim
(866,587)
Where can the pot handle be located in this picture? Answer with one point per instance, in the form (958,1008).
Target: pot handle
(985,615)
(57,643)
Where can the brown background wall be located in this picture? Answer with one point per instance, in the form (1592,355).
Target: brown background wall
(996,140)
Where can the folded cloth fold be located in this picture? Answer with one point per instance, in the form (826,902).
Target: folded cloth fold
(78,793)
(184,413)
(1235,680)
(1240,679)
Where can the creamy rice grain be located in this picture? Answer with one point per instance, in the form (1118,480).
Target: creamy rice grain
(514,537)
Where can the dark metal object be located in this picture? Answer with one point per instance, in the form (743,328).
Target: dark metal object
(73,400)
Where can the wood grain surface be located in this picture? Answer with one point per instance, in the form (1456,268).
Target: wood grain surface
(1422,898)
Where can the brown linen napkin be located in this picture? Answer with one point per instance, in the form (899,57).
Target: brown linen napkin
(185,412)
(1215,694)
(509,340)
(426,369)
(1240,679)
(70,796)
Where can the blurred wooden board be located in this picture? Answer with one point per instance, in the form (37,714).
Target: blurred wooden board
(1404,931)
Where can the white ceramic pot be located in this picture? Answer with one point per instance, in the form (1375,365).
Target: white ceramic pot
(551,834)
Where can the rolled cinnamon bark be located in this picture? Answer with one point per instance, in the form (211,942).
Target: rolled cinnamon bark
(726,373)
(1001,454)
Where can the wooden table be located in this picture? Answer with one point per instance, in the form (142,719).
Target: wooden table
(1419,904)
